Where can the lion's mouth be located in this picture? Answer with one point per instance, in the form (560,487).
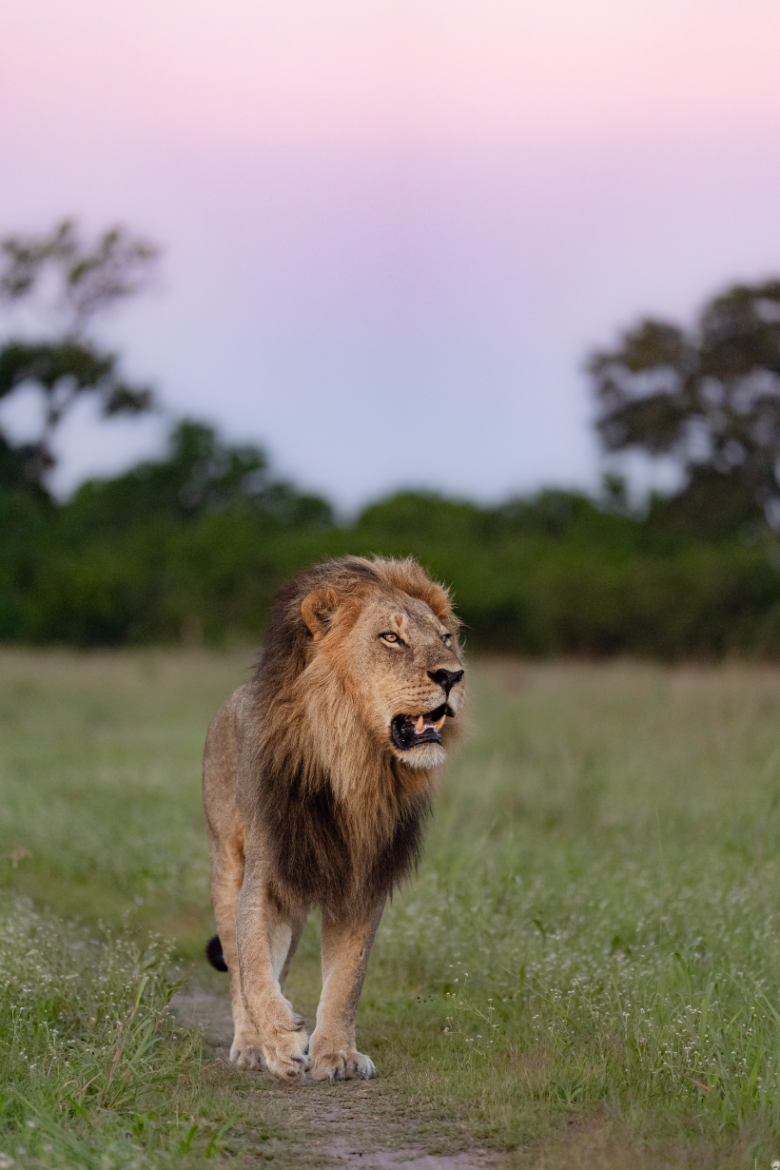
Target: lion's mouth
(409,731)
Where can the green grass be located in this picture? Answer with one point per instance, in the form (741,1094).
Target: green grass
(94,1071)
(586,972)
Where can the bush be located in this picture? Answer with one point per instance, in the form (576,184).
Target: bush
(194,547)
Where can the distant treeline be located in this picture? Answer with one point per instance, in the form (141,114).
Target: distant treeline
(194,546)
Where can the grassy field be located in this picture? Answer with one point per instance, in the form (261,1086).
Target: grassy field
(586,972)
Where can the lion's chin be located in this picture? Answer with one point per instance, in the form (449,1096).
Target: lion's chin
(425,755)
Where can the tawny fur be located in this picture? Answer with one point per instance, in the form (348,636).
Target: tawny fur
(310,802)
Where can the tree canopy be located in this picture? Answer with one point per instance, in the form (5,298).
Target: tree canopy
(72,283)
(85,279)
(200,474)
(709,397)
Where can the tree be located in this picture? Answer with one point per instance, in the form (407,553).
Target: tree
(709,398)
(199,474)
(77,282)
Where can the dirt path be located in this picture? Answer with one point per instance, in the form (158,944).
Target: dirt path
(351,1124)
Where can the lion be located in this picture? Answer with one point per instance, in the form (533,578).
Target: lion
(317,778)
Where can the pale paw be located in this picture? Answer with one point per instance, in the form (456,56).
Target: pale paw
(248,1057)
(288,1056)
(287,1066)
(343,1065)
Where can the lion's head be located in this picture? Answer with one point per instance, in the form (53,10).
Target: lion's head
(391,639)
(369,650)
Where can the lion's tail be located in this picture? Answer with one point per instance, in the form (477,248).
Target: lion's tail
(214,953)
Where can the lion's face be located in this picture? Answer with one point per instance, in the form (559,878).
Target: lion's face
(404,668)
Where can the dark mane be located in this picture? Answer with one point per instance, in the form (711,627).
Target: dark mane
(310,853)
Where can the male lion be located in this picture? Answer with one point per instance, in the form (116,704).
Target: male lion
(316,778)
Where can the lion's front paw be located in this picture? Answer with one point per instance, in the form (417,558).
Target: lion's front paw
(247,1055)
(344,1064)
(287,1056)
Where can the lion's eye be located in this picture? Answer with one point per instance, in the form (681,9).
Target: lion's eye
(390,638)
(446,637)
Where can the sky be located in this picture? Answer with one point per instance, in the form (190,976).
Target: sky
(393,229)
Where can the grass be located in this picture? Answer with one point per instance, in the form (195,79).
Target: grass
(586,972)
(94,1071)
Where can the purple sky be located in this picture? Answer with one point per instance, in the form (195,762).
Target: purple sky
(393,228)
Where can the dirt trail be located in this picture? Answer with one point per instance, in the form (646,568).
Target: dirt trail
(352,1124)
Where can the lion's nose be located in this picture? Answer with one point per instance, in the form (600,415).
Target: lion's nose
(446,679)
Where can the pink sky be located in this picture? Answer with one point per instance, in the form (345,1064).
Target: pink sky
(394,227)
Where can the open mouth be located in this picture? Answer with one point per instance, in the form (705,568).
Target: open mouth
(409,731)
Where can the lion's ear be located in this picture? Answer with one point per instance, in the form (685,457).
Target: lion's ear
(317,610)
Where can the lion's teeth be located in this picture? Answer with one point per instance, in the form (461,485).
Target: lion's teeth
(440,723)
(419,726)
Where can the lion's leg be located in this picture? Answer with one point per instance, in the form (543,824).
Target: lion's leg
(227,872)
(346,947)
(266,936)
(227,842)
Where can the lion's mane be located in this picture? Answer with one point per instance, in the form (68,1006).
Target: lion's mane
(341,817)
